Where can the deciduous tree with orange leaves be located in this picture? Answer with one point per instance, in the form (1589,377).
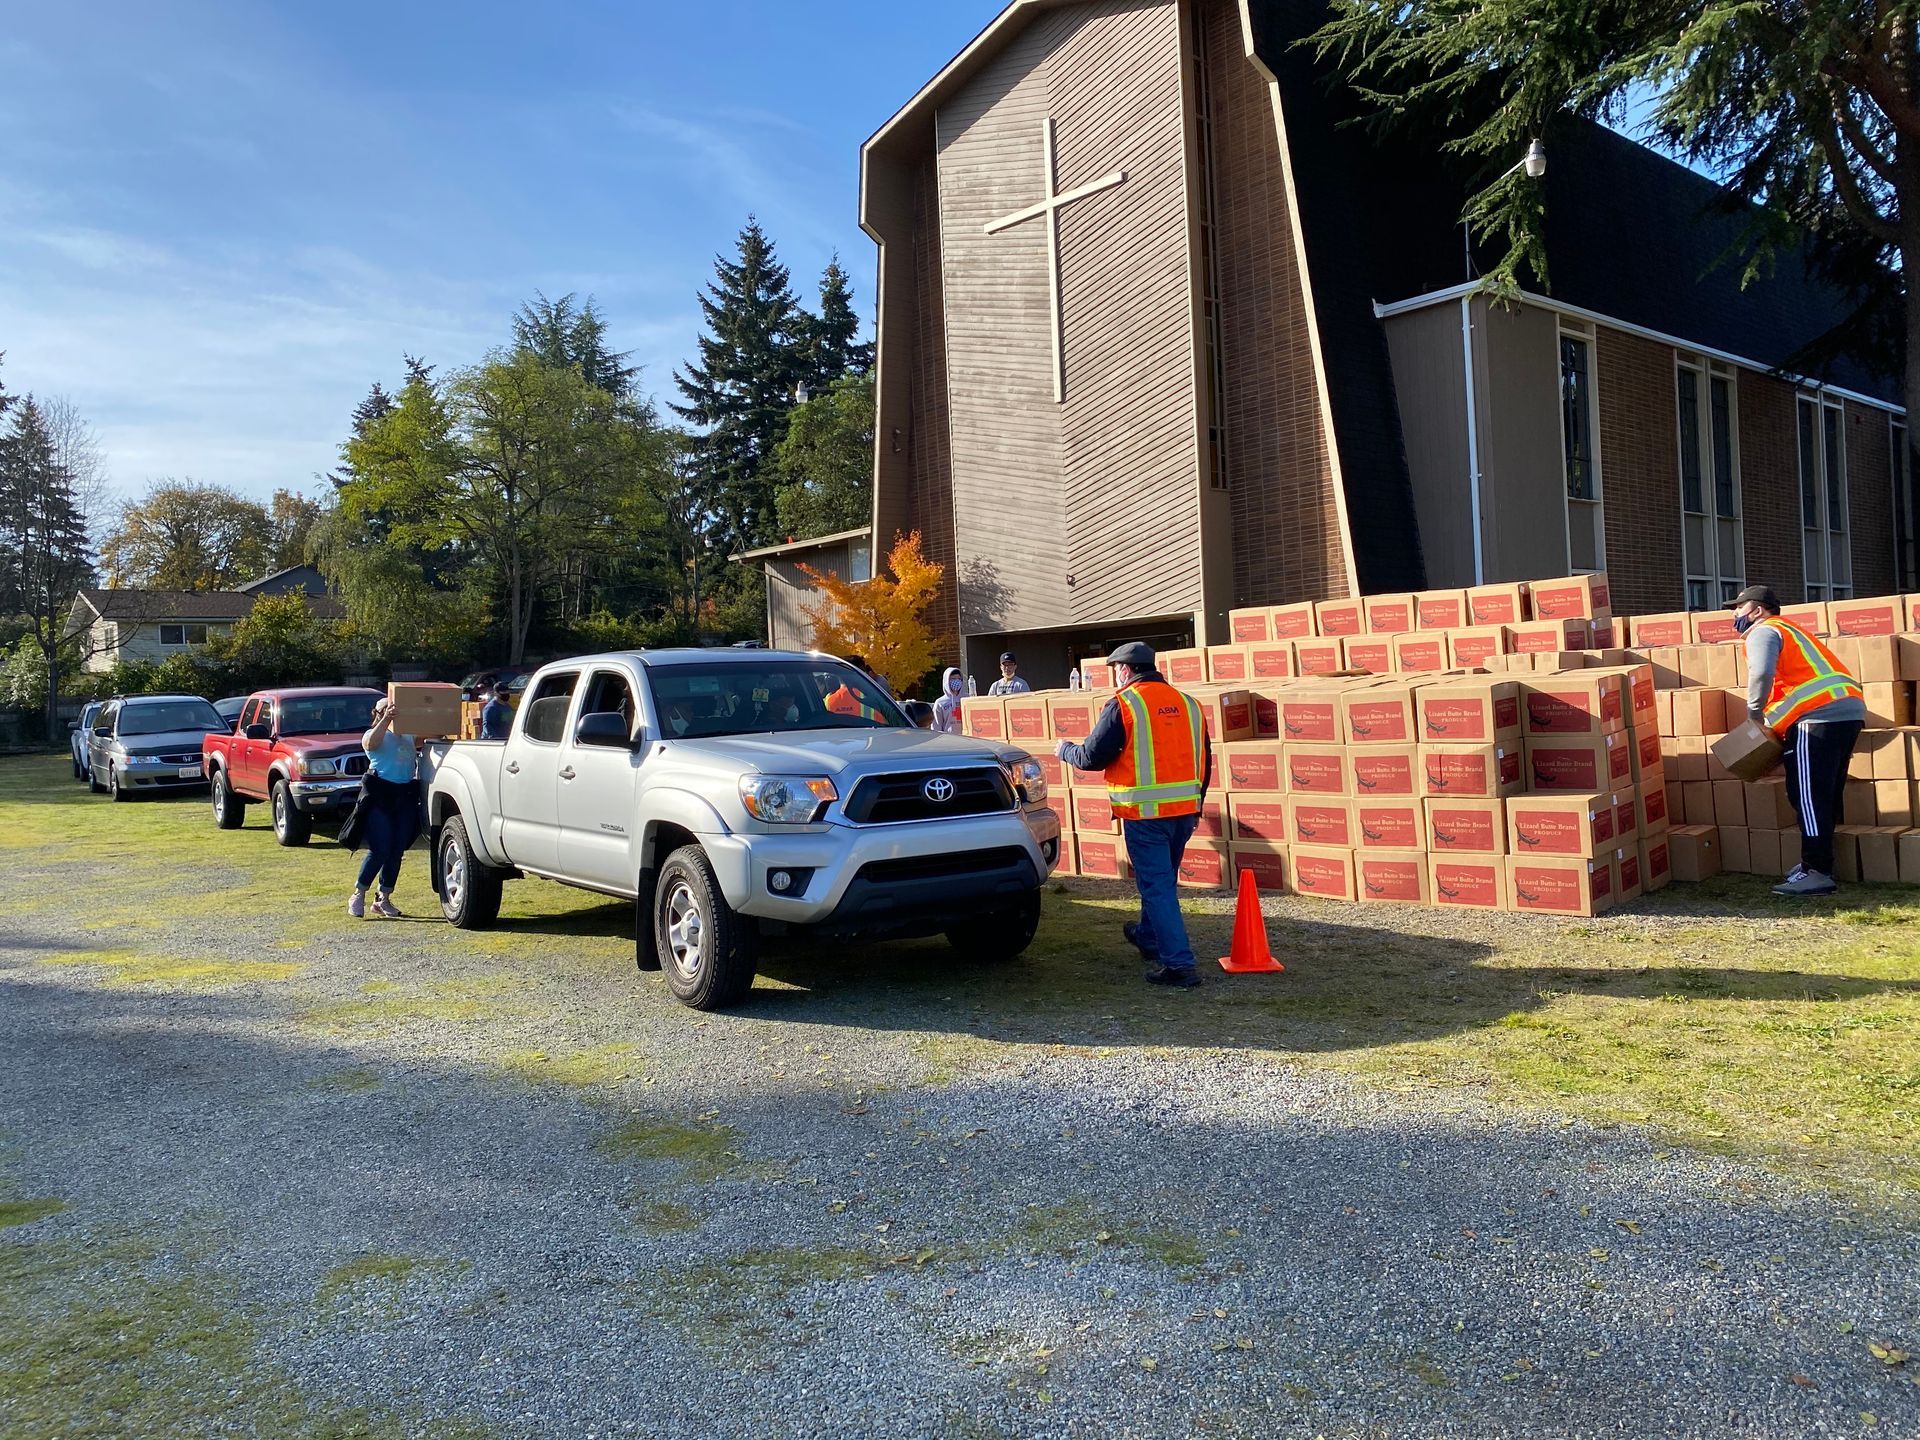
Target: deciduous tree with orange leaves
(882,619)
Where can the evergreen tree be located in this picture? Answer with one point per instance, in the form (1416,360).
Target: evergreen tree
(833,336)
(370,411)
(825,465)
(43,537)
(562,335)
(752,360)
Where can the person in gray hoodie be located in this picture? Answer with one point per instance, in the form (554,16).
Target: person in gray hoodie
(946,710)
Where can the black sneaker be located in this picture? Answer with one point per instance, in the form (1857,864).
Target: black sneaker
(1184,978)
(1131,929)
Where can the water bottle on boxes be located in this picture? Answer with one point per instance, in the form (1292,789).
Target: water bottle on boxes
(972,689)
(1073,678)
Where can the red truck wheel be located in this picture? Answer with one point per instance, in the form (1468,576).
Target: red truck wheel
(229,810)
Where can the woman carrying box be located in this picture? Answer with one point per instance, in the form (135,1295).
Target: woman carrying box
(387,815)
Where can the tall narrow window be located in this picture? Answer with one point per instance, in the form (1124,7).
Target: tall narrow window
(1710,536)
(1906,554)
(1214,371)
(1823,499)
(1586,535)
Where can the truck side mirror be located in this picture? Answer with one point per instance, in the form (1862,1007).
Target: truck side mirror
(258,731)
(605,728)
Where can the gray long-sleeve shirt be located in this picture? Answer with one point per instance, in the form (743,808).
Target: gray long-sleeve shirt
(1763,658)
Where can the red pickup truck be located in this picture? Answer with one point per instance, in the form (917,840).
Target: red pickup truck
(298,750)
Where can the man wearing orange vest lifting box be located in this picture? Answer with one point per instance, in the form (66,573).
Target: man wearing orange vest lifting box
(1151,741)
(1799,691)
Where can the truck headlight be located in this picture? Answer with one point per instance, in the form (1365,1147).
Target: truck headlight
(318,767)
(1028,779)
(786,799)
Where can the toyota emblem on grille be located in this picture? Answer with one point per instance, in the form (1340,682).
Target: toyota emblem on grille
(939,790)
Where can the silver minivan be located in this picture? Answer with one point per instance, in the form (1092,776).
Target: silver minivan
(147,743)
(77,736)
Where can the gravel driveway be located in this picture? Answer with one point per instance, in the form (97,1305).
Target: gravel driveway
(385,1178)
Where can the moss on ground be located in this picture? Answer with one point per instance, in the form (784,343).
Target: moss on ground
(664,1217)
(1075,1228)
(703,1151)
(124,968)
(26,1212)
(586,1068)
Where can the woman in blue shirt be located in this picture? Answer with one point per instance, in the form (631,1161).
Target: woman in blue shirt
(388,815)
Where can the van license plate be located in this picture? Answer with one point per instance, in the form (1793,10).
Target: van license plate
(189,772)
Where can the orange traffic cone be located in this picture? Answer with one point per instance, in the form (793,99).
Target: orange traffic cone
(1251,955)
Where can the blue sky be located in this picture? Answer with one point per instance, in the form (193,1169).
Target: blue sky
(220,222)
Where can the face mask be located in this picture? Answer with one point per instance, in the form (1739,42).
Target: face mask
(1742,624)
(678,724)
(955,687)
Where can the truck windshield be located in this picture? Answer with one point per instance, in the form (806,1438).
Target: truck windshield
(159,717)
(693,701)
(327,714)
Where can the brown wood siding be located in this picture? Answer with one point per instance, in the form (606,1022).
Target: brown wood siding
(1523,489)
(1429,373)
(1103,487)
(1770,486)
(1286,522)
(1640,472)
(930,488)
(1870,500)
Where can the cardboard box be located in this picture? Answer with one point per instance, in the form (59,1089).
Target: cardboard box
(1648,760)
(1579,597)
(1875,658)
(1696,803)
(1769,805)
(1883,616)
(1713,627)
(1421,650)
(1891,752)
(1068,863)
(1203,866)
(1441,610)
(1469,712)
(1053,770)
(1371,653)
(1748,750)
(1656,864)
(1580,762)
(1212,821)
(1485,647)
(1390,823)
(425,710)
(1856,803)
(1294,622)
(1229,663)
(1672,628)
(1775,852)
(1252,765)
(1317,769)
(1391,877)
(1655,816)
(1729,802)
(1684,757)
(1388,614)
(1256,816)
(1272,660)
(1311,714)
(1907,647)
(1323,871)
(1566,886)
(1736,850)
(1102,857)
(1880,854)
(1319,657)
(1893,802)
(1096,675)
(1664,661)
(1584,703)
(1182,667)
(1567,824)
(1378,715)
(1698,712)
(1265,862)
(1071,713)
(1339,617)
(1473,882)
(1466,827)
(1318,820)
(1889,706)
(1810,616)
(1549,637)
(1498,605)
(1846,851)
(1723,665)
(1252,623)
(1026,720)
(1229,714)
(1694,851)
(1386,771)
(1093,813)
(1909,851)
(1470,771)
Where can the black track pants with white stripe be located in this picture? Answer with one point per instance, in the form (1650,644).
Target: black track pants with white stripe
(1816,763)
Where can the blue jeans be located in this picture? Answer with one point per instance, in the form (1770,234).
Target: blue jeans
(1155,848)
(385,840)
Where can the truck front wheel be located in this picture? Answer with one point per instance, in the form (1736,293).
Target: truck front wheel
(229,810)
(291,824)
(999,934)
(469,888)
(706,950)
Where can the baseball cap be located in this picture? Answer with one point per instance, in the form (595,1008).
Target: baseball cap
(1006,658)
(1760,594)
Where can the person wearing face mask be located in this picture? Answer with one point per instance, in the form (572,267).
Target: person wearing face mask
(1797,689)
(1151,741)
(946,710)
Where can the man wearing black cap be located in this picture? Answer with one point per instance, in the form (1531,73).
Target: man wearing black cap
(1797,689)
(1009,682)
(1151,741)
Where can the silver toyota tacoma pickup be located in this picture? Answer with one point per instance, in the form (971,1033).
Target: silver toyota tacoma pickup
(736,793)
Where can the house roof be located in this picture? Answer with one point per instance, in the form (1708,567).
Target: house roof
(200,606)
(254,586)
(799,547)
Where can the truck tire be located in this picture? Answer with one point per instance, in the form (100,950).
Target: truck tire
(469,888)
(229,810)
(999,934)
(706,951)
(291,824)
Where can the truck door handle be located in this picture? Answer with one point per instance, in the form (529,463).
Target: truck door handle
(567,774)
(513,767)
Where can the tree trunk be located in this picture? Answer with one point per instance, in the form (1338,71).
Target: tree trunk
(516,634)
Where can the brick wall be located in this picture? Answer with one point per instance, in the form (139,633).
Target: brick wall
(1870,500)
(1286,526)
(930,489)
(1640,472)
(1770,485)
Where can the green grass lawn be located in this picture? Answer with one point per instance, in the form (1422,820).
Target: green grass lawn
(1720,1016)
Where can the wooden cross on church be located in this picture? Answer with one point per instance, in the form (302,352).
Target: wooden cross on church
(1050,207)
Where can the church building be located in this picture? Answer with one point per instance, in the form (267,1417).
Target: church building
(1161,336)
